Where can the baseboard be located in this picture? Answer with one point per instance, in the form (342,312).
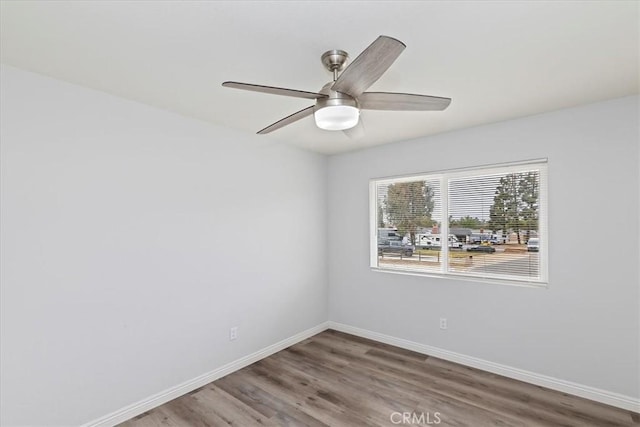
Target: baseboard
(591,393)
(149,403)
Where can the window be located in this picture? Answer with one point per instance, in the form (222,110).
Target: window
(495,219)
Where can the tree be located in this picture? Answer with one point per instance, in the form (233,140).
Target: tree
(380,216)
(515,204)
(469,222)
(498,211)
(529,192)
(408,206)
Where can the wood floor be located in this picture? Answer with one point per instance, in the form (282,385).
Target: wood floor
(336,379)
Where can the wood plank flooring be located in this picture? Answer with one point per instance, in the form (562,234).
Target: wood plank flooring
(335,379)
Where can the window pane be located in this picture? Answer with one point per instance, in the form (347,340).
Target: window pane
(488,223)
(497,217)
(407,214)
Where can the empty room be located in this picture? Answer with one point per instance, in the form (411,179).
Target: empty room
(319,213)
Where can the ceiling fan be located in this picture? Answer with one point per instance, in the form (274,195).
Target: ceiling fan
(338,103)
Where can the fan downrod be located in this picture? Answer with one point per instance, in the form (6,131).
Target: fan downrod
(335,61)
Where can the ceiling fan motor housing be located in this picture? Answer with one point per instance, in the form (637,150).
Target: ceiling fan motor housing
(334,98)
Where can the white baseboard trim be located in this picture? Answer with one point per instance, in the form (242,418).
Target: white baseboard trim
(158,399)
(592,393)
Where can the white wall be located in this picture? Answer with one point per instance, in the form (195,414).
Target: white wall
(585,327)
(132,239)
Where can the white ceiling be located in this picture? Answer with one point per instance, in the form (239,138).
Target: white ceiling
(497,60)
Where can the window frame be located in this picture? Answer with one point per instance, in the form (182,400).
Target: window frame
(443,176)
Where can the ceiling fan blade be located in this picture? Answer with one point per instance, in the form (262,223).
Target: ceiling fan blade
(367,68)
(274,90)
(357,131)
(401,102)
(288,120)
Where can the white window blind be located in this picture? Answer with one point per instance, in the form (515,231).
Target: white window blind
(406,210)
(483,223)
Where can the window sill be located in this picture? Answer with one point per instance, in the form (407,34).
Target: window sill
(463,278)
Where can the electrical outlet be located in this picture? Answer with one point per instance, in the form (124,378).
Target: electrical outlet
(233,333)
(443,323)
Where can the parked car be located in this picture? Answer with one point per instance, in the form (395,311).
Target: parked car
(482,248)
(395,247)
(533,245)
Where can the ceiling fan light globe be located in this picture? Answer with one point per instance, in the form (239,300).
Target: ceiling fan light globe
(337,117)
